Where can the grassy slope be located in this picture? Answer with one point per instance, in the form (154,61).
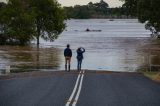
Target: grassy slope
(152,75)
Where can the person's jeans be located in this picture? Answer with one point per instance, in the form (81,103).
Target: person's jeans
(79,64)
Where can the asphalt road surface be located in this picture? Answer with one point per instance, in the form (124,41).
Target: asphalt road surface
(84,88)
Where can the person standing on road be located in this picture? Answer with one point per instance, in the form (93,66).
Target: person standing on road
(67,55)
(80,52)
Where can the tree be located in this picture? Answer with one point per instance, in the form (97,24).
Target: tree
(91,10)
(130,6)
(16,22)
(101,7)
(2,36)
(48,19)
(23,20)
(81,12)
(149,13)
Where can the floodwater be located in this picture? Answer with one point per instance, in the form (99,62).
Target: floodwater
(119,45)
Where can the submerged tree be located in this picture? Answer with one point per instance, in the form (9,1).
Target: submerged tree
(48,19)
(17,22)
(23,20)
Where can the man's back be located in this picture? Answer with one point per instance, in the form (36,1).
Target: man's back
(67,55)
(68,52)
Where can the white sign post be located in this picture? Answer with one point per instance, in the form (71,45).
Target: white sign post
(7,69)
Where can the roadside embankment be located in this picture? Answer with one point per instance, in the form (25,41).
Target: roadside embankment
(154,75)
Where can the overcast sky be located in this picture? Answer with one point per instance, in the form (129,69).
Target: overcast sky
(112,3)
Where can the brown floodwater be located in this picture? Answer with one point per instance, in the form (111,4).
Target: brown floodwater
(123,58)
(122,45)
(29,58)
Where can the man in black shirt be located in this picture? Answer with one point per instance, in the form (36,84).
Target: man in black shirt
(67,55)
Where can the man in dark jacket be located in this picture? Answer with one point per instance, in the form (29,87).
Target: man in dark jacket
(67,55)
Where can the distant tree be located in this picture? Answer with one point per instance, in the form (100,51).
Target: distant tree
(68,12)
(2,4)
(81,12)
(116,12)
(101,7)
(130,6)
(90,4)
(98,10)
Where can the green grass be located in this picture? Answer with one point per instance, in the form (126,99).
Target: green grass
(150,74)
(154,75)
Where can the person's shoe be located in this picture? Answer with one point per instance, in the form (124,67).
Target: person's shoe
(65,67)
(69,67)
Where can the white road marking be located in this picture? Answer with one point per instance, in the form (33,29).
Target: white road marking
(79,80)
(74,90)
(79,90)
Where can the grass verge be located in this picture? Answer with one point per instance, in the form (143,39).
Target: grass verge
(154,75)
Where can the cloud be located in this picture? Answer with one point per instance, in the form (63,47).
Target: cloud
(112,3)
(2,0)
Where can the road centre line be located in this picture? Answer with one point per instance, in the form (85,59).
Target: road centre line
(74,90)
(79,90)
(79,79)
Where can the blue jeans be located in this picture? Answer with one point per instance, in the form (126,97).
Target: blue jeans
(79,64)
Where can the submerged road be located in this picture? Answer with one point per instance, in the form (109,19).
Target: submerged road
(85,88)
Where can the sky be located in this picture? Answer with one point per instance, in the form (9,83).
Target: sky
(112,3)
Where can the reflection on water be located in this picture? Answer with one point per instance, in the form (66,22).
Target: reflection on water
(154,55)
(122,45)
(29,58)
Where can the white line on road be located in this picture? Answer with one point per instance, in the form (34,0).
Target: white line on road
(79,90)
(79,78)
(74,90)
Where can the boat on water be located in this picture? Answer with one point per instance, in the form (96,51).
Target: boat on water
(88,30)
(111,19)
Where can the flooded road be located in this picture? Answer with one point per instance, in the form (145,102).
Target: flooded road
(120,45)
(29,58)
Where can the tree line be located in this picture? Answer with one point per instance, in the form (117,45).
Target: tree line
(96,10)
(22,21)
(147,11)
